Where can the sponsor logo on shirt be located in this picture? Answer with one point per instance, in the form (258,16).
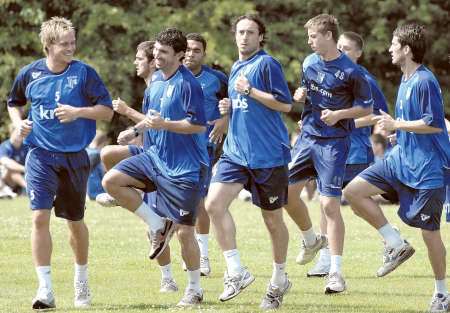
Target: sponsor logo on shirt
(46,114)
(320,90)
(36,74)
(239,103)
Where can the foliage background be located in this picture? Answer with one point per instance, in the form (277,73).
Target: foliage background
(109,31)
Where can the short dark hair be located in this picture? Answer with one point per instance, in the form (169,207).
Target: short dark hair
(147,47)
(174,38)
(414,36)
(197,37)
(356,38)
(325,23)
(255,18)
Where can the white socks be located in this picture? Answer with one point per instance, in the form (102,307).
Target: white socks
(44,277)
(153,220)
(440,286)
(193,280)
(336,264)
(310,237)
(202,240)
(324,255)
(390,236)
(166,271)
(81,273)
(233,261)
(278,275)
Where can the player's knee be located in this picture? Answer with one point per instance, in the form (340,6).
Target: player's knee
(108,181)
(41,220)
(273,220)
(214,207)
(186,234)
(77,228)
(350,194)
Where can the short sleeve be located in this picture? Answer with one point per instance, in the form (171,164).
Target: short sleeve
(17,96)
(430,103)
(95,89)
(193,102)
(275,82)
(361,90)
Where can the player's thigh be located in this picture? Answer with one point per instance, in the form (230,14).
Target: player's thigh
(221,195)
(113,154)
(361,188)
(117,178)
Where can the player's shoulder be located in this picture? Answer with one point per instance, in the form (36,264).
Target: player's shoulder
(215,73)
(310,60)
(268,59)
(33,70)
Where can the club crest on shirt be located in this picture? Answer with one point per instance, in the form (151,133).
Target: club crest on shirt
(169,91)
(72,81)
(320,77)
(408,93)
(36,74)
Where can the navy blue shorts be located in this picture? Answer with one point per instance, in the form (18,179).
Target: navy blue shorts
(421,208)
(351,171)
(59,180)
(207,180)
(135,150)
(322,158)
(268,186)
(175,199)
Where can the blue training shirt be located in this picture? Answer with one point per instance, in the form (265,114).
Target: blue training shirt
(419,159)
(334,85)
(361,147)
(78,85)
(214,85)
(180,97)
(257,136)
(8,150)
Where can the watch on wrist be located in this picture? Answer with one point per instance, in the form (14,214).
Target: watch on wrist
(247,90)
(136,132)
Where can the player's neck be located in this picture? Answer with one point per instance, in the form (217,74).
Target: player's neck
(148,79)
(409,68)
(169,71)
(244,57)
(55,66)
(196,71)
(331,54)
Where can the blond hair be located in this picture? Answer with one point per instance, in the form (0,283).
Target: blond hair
(52,29)
(324,23)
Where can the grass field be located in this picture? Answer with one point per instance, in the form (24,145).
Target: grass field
(122,279)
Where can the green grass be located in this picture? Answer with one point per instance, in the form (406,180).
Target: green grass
(124,280)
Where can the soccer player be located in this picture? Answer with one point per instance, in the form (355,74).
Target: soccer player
(336,93)
(12,159)
(255,157)
(113,154)
(176,163)
(214,86)
(361,154)
(66,97)
(414,169)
